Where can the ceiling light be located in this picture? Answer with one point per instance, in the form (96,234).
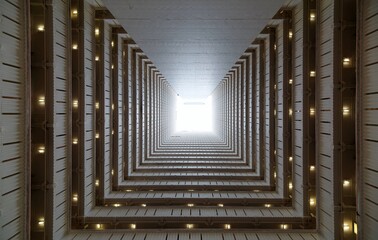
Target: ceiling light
(41,28)
(355,228)
(189,226)
(267,205)
(97,183)
(41,149)
(74,46)
(227,226)
(347,62)
(346,183)
(75,103)
(312,73)
(312,201)
(190,204)
(312,17)
(97,31)
(284,226)
(41,100)
(41,222)
(346,227)
(74,197)
(346,110)
(133,226)
(312,168)
(312,111)
(75,141)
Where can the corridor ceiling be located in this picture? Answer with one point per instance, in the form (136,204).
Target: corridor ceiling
(193,42)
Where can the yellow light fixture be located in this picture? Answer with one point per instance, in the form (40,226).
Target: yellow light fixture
(355,228)
(41,149)
(97,135)
(190,190)
(41,101)
(99,226)
(41,28)
(312,17)
(75,103)
(312,202)
(312,168)
(346,227)
(189,226)
(144,205)
(312,73)
(74,12)
(284,226)
(275,174)
(346,110)
(346,183)
(74,197)
(97,182)
(312,111)
(97,105)
(290,186)
(190,205)
(290,81)
(97,31)
(75,141)
(133,226)
(112,43)
(267,205)
(41,222)
(116,205)
(290,159)
(347,62)
(112,172)
(227,226)
(97,58)
(129,190)
(290,111)
(74,46)
(290,34)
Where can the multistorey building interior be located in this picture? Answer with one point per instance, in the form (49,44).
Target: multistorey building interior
(91,146)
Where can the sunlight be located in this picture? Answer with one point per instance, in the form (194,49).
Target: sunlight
(194,115)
